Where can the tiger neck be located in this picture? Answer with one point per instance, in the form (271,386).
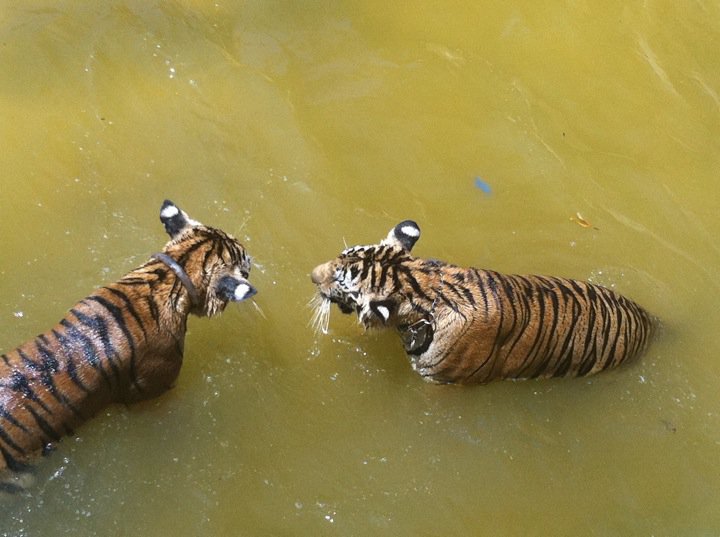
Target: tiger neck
(182,276)
(425,299)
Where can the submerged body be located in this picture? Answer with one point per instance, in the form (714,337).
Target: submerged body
(122,343)
(466,325)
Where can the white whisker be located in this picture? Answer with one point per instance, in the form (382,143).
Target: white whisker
(259,309)
(321,313)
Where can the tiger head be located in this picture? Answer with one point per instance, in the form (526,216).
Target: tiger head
(212,265)
(367,280)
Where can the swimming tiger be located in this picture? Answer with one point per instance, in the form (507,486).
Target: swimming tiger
(123,343)
(471,326)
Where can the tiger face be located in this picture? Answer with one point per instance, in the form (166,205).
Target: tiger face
(211,264)
(365,280)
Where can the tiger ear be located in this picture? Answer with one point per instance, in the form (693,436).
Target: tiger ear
(384,309)
(175,219)
(405,235)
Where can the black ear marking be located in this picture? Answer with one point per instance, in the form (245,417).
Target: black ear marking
(406,233)
(234,289)
(173,218)
(384,309)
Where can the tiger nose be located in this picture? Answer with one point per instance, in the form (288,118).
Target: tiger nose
(319,273)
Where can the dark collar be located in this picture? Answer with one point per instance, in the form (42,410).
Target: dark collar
(181,275)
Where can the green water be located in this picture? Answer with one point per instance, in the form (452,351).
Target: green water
(302,126)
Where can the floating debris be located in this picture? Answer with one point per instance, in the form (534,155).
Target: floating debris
(579,220)
(669,426)
(482,185)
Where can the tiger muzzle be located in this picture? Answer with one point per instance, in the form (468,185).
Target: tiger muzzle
(321,273)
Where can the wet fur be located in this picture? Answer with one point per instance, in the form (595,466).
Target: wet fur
(122,343)
(467,325)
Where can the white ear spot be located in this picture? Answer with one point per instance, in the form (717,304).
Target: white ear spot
(384,312)
(169,211)
(242,291)
(410,231)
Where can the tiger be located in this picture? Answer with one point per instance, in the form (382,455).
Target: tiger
(471,326)
(121,344)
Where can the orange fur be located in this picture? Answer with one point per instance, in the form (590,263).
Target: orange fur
(466,325)
(122,343)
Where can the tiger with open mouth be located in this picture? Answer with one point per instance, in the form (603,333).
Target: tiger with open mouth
(472,326)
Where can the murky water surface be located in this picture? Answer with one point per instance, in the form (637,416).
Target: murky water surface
(300,125)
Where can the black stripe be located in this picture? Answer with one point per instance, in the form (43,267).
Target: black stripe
(483,293)
(117,316)
(68,345)
(396,286)
(90,354)
(153,309)
(7,416)
(49,368)
(588,356)
(373,274)
(7,439)
(44,425)
(98,327)
(366,264)
(129,306)
(610,332)
(383,275)
(12,464)
(468,296)
(19,383)
(513,332)
(538,300)
(191,249)
(565,354)
(492,285)
(29,362)
(450,303)
(417,289)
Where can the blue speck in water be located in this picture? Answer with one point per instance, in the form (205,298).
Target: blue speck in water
(482,185)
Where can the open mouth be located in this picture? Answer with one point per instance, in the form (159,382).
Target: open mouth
(344,307)
(345,303)
(320,304)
